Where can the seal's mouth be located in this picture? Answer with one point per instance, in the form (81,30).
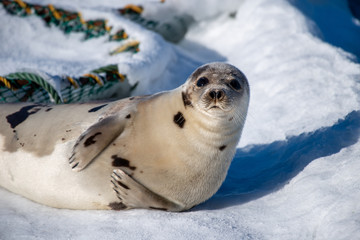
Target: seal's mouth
(217,106)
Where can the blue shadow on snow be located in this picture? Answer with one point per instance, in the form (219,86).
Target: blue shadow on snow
(260,169)
(335,22)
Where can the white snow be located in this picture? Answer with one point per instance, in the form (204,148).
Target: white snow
(296,171)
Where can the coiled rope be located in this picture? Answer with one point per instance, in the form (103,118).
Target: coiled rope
(24,86)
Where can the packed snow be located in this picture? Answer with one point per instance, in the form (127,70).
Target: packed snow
(296,170)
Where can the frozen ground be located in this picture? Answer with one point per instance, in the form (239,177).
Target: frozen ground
(296,171)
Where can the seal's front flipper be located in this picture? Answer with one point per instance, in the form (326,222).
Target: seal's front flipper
(134,195)
(94,140)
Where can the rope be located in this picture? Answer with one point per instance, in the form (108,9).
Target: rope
(66,20)
(122,77)
(94,77)
(130,9)
(72,81)
(130,46)
(6,83)
(119,36)
(108,68)
(24,86)
(21,3)
(32,77)
(54,12)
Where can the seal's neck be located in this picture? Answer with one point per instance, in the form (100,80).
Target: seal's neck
(215,130)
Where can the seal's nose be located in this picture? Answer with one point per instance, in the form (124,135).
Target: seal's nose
(216,94)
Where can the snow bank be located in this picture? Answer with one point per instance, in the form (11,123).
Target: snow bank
(295,175)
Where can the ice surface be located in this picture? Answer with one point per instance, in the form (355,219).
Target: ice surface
(296,171)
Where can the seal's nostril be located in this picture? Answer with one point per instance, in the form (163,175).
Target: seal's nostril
(216,94)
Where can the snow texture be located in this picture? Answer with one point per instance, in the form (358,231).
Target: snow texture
(296,170)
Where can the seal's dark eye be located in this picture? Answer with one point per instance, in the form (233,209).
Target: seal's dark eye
(235,84)
(202,82)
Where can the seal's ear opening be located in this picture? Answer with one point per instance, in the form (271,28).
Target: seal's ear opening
(94,140)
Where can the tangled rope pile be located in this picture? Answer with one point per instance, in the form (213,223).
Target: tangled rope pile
(35,87)
(105,82)
(69,22)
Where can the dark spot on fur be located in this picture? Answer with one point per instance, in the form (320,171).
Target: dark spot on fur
(22,144)
(141,172)
(34,135)
(117,206)
(162,209)
(123,185)
(186,99)
(18,117)
(132,98)
(114,144)
(97,108)
(121,162)
(68,130)
(63,139)
(222,147)
(91,140)
(128,116)
(230,119)
(179,119)
(49,109)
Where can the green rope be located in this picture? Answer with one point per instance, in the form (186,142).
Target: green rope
(25,86)
(108,68)
(67,21)
(32,77)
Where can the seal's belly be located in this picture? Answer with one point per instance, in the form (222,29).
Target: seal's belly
(49,179)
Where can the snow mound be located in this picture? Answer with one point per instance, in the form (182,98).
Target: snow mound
(296,171)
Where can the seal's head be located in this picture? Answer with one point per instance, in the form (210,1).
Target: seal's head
(217,89)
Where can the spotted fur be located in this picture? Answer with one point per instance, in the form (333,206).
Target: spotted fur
(186,99)
(121,162)
(179,119)
(20,116)
(169,151)
(117,206)
(222,147)
(95,109)
(90,140)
